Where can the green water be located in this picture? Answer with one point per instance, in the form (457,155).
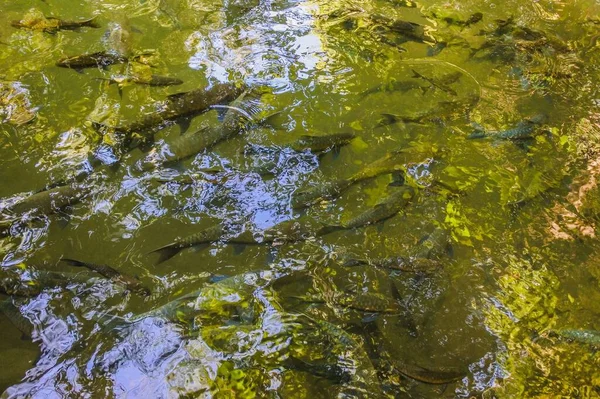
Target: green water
(518,219)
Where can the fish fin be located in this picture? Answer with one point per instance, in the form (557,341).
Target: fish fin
(135,29)
(449,249)
(238,249)
(184,124)
(416,75)
(120,90)
(165,253)
(200,247)
(476,135)
(387,119)
(335,152)
(394,290)
(63,221)
(78,70)
(398,179)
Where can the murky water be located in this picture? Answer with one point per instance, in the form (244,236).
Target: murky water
(450,249)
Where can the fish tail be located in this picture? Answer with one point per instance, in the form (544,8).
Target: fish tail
(92,23)
(477,135)
(165,253)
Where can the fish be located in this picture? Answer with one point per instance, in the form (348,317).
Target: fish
(410,31)
(392,162)
(353,356)
(45,202)
(389,363)
(180,107)
(229,291)
(100,59)
(13,314)
(16,284)
(438,84)
(321,143)
(400,263)
(336,373)
(473,19)
(203,237)
(317,144)
(586,337)
(285,232)
(53,24)
(153,80)
(236,120)
(384,210)
(393,86)
(111,273)
(524,130)
(364,301)
(292,230)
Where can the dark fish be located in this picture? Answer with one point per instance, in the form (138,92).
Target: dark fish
(333,372)
(384,210)
(387,208)
(229,291)
(46,202)
(100,59)
(523,131)
(235,121)
(206,236)
(473,19)
(317,144)
(390,163)
(285,232)
(53,25)
(365,302)
(586,337)
(15,284)
(435,83)
(317,193)
(400,263)
(393,86)
(293,230)
(130,282)
(153,80)
(13,314)
(364,382)
(389,363)
(321,143)
(181,107)
(409,31)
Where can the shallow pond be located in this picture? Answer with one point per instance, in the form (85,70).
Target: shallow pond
(299,198)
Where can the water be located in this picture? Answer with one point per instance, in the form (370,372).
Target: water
(518,219)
